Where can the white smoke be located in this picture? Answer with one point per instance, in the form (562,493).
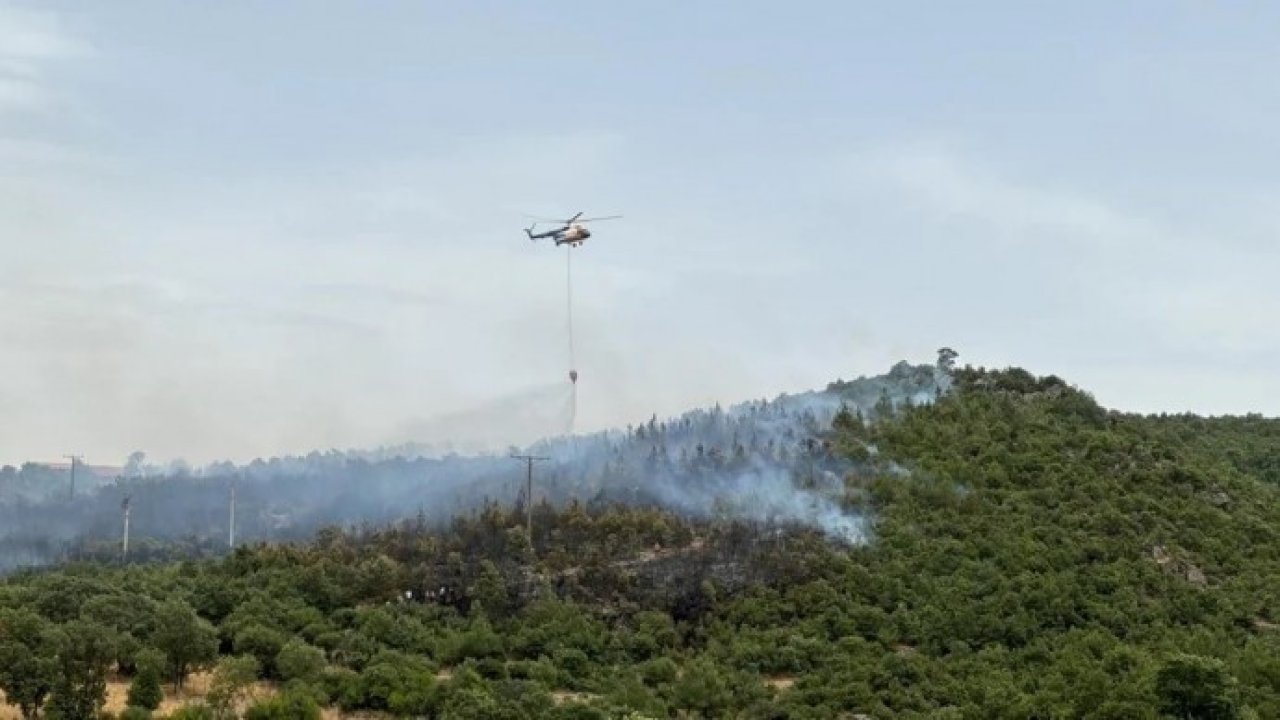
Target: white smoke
(763,462)
(515,419)
(762,495)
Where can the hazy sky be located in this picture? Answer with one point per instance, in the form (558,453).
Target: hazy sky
(245,228)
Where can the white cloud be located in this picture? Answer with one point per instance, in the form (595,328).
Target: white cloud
(225,291)
(256,316)
(1015,211)
(1074,282)
(32,35)
(29,41)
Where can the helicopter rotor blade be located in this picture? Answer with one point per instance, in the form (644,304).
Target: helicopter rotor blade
(576,218)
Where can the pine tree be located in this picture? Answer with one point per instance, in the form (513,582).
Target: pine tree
(145,689)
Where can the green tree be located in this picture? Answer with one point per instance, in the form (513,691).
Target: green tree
(653,633)
(702,689)
(630,693)
(478,641)
(288,705)
(578,711)
(232,679)
(186,640)
(400,683)
(263,643)
(490,590)
(145,691)
(298,660)
(28,668)
(470,703)
(659,671)
(132,615)
(1191,687)
(85,654)
(192,711)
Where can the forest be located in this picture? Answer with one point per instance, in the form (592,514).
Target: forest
(747,454)
(1021,552)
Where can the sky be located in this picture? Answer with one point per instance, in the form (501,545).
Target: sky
(242,229)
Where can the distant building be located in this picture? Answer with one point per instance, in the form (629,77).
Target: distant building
(106,472)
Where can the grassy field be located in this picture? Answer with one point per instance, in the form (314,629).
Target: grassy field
(197,687)
(193,690)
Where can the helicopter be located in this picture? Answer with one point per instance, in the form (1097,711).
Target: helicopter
(573,232)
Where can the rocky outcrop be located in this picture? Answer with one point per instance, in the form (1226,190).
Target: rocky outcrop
(1178,566)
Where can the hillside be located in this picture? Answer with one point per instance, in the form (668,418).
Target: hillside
(1022,553)
(689,464)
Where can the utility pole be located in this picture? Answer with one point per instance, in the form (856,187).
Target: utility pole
(231,532)
(74,459)
(529,460)
(124,547)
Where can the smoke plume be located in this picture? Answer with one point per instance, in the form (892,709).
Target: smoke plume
(765,461)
